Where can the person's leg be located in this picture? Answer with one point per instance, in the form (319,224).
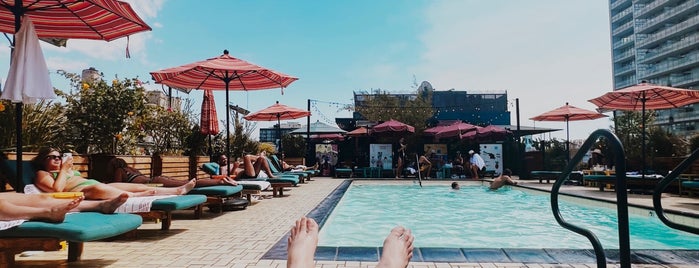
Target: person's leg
(103,206)
(399,168)
(302,243)
(46,212)
(141,188)
(249,169)
(103,191)
(397,248)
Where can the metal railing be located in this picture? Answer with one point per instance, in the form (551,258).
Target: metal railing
(664,183)
(621,198)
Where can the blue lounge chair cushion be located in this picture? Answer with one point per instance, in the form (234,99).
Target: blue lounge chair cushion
(211,168)
(690,184)
(217,190)
(178,202)
(78,227)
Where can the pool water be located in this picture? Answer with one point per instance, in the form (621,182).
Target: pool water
(475,217)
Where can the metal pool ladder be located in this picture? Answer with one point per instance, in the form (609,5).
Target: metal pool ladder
(621,198)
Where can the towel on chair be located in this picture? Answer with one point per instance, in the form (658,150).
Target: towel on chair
(4,225)
(132,205)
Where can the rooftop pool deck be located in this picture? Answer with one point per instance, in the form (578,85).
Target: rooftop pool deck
(252,237)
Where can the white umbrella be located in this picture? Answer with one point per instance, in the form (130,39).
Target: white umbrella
(28,78)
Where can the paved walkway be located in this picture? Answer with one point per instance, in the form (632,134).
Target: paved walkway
(240,238)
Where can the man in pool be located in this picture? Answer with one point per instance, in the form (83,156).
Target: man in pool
(302,243)
(455,186)
(503,180)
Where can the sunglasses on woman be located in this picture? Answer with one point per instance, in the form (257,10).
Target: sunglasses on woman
(53,157)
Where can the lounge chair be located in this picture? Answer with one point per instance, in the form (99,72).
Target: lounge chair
(277,184)
(76,229)
(301,176)
(278,165)
(161,209)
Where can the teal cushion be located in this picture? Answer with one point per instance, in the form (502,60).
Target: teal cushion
(690,184)
(218,190)
(9,167)
(178,202)
(211,168)
(78,227)
(251,187)
(283,179)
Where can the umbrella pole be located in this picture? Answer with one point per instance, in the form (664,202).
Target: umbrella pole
(18,142)
(643,136)
(228,122)
(279,136)
(567,141)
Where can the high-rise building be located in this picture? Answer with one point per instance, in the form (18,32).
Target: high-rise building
(657,41)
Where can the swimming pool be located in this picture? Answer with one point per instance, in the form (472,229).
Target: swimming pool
(475,217)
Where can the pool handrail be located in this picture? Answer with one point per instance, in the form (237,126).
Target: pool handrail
(622,202)
(660,188)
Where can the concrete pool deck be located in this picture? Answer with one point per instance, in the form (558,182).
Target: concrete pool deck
(242,238)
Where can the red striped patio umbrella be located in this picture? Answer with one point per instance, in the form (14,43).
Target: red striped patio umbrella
(646,96)
(223,73)
(77,19)
(455,129)
(277,112)
(209,119)
(568,113)
(392,126)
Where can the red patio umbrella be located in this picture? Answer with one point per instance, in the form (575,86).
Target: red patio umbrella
(209,118)
(359,132)
(277,112)
(455,129)
(222,73)
(568,113)
(392,126)
(79,19)
(646,96)
(490,132)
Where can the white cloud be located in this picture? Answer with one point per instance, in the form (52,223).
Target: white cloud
(545,53)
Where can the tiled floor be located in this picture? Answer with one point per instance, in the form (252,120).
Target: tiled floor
(241,238)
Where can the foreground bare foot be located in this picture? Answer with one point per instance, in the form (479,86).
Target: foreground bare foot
(184,189)
(230,181)
(109,206)
(302,244)
(397,248)
(58,213)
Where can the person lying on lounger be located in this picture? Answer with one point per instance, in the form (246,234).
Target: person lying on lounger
(121,172)
(303,241)
(41,207)
(57,175)
(503,180)
(247,167)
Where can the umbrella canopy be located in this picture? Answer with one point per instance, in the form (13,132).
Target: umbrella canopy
(222,73)
(209,118)
(277,112)
(453,130)
(392,126)
(568,113)
(28,78)
(646,96)
(490,132)
(318,127)
(359,132)
(80,19)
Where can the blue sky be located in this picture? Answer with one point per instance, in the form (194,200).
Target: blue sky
(543,52)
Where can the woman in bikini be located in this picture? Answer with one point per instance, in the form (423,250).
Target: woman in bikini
(121,172)
(250,167)
(56,175)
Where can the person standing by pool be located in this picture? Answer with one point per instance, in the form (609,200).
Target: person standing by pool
(477,164)
(399,155)
(503,180)
(303,241)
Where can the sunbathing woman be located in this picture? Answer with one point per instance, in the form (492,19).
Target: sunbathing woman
(56,175)
(302,243)
(249,167)
(16,206)
(121,172)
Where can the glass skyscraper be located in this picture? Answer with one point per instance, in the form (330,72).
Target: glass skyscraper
(657,41)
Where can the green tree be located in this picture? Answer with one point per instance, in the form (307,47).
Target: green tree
(44,125)
(628,128)
(167,129)
(413,110)
(99,113)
